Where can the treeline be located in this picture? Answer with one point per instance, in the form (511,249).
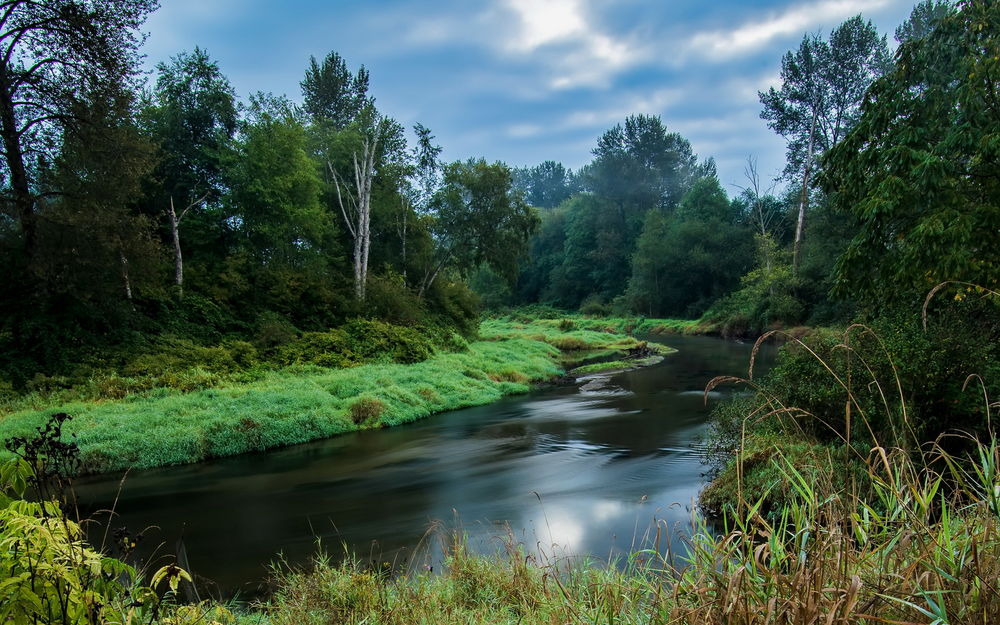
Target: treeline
(884,194)
(134,210)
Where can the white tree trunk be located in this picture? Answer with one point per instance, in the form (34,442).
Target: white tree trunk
(357,210)
(128,283)
(804,197)
(175,223)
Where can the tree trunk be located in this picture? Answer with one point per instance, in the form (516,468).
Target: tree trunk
(24,202)
(364,174)
(402,239)
(804,197)
(125,278)
(175,223)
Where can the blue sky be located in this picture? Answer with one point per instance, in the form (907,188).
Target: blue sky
(524,81)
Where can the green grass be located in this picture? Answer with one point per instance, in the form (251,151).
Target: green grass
(301,403)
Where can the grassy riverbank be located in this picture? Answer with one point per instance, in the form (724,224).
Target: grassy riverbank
(911,555)
(300,403)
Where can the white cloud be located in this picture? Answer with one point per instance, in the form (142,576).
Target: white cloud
(585,55)
(752,36)
(546,22)
(654,103)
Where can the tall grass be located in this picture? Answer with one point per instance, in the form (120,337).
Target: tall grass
(913,536)
(913,555)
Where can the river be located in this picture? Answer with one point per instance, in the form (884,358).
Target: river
(580,469)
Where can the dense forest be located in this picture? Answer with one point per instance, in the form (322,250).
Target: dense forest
(164,215)
(141,213)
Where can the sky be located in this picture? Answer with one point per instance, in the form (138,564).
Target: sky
(524,81)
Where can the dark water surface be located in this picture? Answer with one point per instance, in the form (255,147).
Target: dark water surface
(582,469)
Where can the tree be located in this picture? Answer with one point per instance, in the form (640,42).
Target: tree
(276,187)
(546,185)
(54,53)
(95,246)
(923,19)
(686,260)
(379,147)
(331,94)
(920,173)
(823,85)
(426,167)
(193,116)
(639,166)
(479,219)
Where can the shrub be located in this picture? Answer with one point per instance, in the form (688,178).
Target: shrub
(273,330)
(376,340)
(568,343)
(366,409)
(594,306)
(326,349)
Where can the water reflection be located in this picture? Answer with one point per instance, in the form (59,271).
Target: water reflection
(567,470)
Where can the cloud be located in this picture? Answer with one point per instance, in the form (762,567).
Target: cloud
(752,36)
(581,54)
(546,22)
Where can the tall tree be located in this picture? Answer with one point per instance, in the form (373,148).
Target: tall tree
(920,173)
(332,95)
(479,219)
(640,165)
(193,116)
(546,185)
(688,259)
(923,19)
(823,86)
(426,167)
(378,148)
(52,54)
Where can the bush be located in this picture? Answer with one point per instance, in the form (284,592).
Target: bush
(594,306)
(326,349)
(377,340)
(366,409)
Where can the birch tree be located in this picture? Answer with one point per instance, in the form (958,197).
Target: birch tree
(356,208)
(823,86)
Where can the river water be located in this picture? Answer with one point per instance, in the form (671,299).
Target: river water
(590,468)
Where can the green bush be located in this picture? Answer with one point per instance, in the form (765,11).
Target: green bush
(326,349)
(377,340)
(594,306)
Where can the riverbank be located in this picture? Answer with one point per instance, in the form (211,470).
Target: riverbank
(302,403)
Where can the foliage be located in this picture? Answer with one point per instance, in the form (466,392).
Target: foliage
(331,94)
(919,172)
(823,85)
(685,261)
(479,219)
(50,573)
(766,295)
(546,185)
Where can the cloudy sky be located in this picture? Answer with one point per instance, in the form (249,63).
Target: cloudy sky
(524,81)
